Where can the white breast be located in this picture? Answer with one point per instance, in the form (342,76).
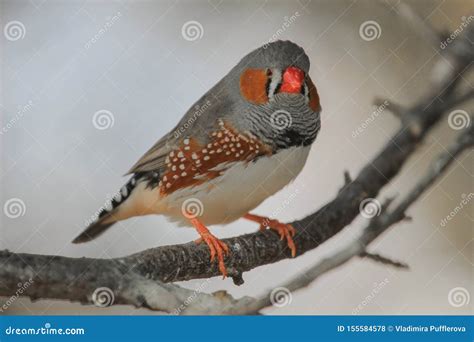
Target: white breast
(240,189)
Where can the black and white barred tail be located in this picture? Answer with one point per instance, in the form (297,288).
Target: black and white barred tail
(104,218)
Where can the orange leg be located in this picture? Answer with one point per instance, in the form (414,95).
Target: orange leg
(286,231)
(215,245)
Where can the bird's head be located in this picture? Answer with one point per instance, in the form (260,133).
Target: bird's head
(277,69)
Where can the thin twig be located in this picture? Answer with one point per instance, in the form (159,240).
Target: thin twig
(376,226)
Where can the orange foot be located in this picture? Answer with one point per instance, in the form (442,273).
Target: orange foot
(215,245)
(286,231)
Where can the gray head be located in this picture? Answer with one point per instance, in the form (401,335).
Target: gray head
(276,55)
(272,84)
(271,79)
(278,68)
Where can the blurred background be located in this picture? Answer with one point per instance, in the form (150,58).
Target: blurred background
(88,86)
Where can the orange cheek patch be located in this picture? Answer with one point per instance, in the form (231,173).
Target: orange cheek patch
(313,96)
(253,86)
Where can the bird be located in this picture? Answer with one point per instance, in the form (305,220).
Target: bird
(244,140)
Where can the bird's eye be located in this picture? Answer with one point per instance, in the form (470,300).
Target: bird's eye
(269,73)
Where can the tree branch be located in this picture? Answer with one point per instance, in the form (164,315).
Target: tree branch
(140,279)
(376,227)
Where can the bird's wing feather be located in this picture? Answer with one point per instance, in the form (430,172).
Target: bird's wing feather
(154,158)
(199,119)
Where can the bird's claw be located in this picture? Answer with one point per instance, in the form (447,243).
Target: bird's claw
(216,247)
(285,230)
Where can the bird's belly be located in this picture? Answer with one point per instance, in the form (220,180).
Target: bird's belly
(241,188)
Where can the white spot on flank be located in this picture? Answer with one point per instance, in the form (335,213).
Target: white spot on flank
(194,156)
(180,154)
(186,141)
(181,166)
(206,158)
(184,174)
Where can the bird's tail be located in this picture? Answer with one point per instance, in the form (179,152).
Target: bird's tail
(108,214)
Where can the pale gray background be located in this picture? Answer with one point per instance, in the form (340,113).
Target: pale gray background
(147,75)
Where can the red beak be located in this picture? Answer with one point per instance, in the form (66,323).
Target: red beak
(293,79)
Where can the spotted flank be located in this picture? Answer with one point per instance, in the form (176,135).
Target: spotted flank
(192,164)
